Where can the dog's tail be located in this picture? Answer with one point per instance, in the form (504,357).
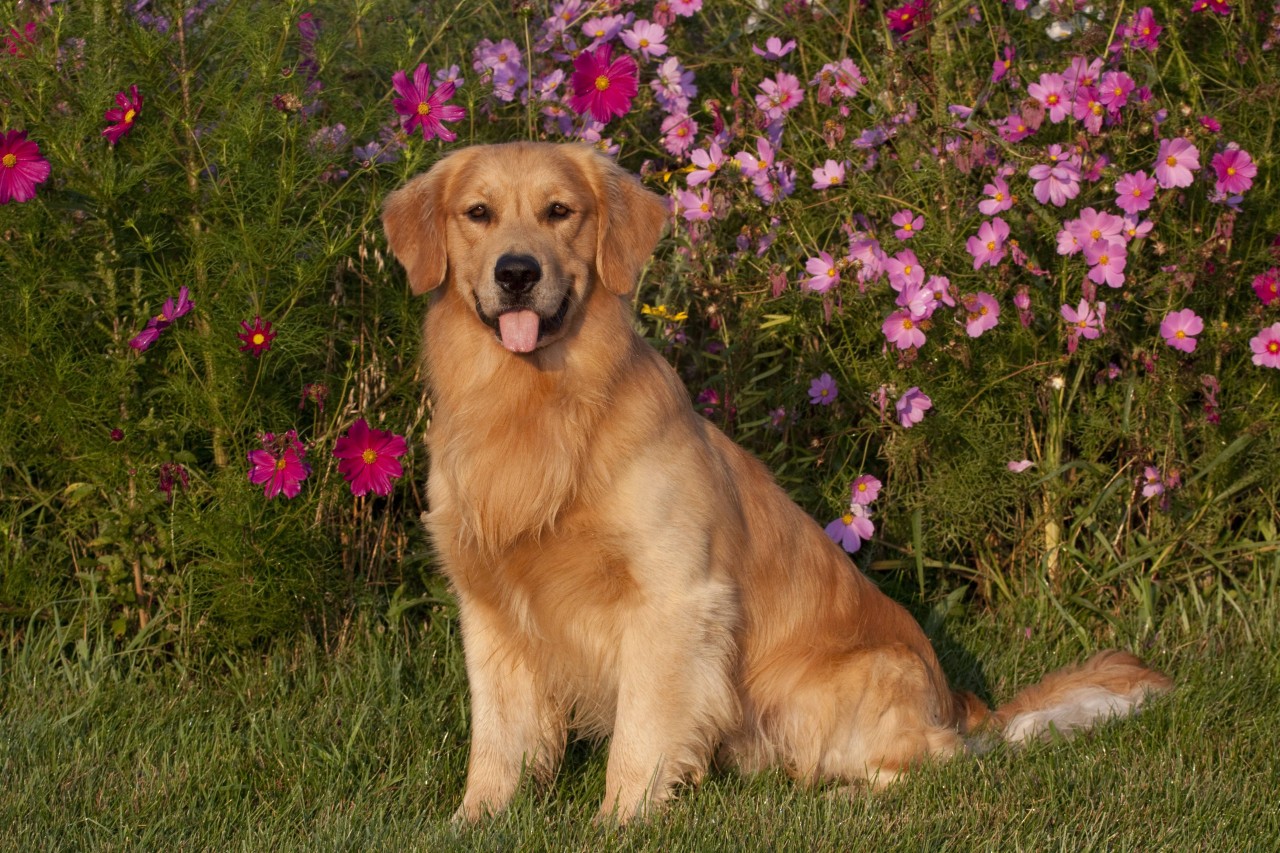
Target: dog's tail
(1110,684)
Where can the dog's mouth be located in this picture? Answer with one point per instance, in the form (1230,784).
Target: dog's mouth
(521,330)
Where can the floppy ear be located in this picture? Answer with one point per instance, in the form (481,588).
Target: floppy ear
(632,220)
(413,218)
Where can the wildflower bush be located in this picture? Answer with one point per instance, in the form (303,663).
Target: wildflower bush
(992,287)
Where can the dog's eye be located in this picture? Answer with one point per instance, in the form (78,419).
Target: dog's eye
(558,211)
(478,213)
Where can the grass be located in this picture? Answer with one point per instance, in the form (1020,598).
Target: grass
(358,741)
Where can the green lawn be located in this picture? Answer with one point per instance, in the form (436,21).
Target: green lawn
(358,742)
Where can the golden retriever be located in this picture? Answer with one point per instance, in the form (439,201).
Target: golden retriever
(622,568)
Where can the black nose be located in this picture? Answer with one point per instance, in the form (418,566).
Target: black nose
(517,274)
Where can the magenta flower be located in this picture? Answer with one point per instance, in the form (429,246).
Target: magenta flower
(850,530)
(1093,225)
(1179,329)
(823,274)
(998,198)
(369,459)
(1114,90)
(987,246)
(256,338)
(1108,258)
(1143,31)
(1221,7)
(903,330)
(904,19)
(172,475)
(823,391)
(1235,169)
(602,85)
(909,224)
(279,467)
(121,116)
(865,489)
(424,108)
(170,311)
(21,167)
(1134,192)
(912,405)
(983,312)
(1267,285)
(1266,347)
(1176,160)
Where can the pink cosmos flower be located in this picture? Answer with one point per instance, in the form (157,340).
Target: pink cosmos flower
(1266,347)
(1051,92)
(1179,329)
(678,133)
(256,338)
(987,246)
(823,275)
(829,174)
(1082,320)
(850,530)
(823,391)
(1267,285)
(369,459)
(756,165)
(1134,192)
(1152,482)
(170,311)
(21,167)
(774,48)
(121,117)
(1143,31)
(1108,258)
(941,287)
(1093,225)
(780,95)
(902,330)
(1136,229)
(919,300)
(1114,90)
(842,78)
(424,108)
(983,312)
(865,489)
(685,8)
(1235,169)
(602,85)
(695,207)
(1176,160)
(909,224)
(648,38)
(1018,466)
(904,19)
(998,197)
(602,29)
(912,405)
(279,466)
(904,268)
(1221,7)
(708,161)
(1055,184)
(1000,67)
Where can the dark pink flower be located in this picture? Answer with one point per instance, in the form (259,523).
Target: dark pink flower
(369,459)
(257,338)
(904,19)
(21,167)
(424,108)
(121,117)
(279,467)
(602,85)
(1267,285)
(1235,169)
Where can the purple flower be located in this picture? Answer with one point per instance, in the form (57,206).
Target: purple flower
(424,108)
(822,391)
(1179,329)
(912,405)
(1176,160)
(850,530)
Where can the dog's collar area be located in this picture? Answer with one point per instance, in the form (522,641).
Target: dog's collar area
(546,325)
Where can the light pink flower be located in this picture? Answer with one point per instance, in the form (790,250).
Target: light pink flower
(823,274)
(987,246)
(865,489)
(647,37)
(1179,329)
(1134,192)
(902,330)
(780,95)
(829,174)
(983,312)
(1108,260)
(912,405)
(909,224)
(1176,160)
(999,199)
(1266,347)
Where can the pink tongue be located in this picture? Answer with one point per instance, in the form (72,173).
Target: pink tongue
(519,330)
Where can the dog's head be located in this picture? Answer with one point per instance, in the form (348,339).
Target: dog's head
(522,232)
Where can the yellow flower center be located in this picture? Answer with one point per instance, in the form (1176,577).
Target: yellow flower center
(906,226)
(1117,91)
(1095,233)
(999,196)
(907,324)
(1103,261)
(1137,192)
(831,272)
(10,160)
(761,164)
(982,311)
(991,246)
(1180,334)
(862,487)
(602,83)
(1171,160)
(644,43)
(369,457)
(1273,347)
(424,109)
(706,208)
(280,463)
(259,339)
(1231,170)
(128,117)
(1084,324)
(906,270)
(1053,100)
(847,518)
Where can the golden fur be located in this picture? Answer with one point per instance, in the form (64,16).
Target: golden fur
(622,568)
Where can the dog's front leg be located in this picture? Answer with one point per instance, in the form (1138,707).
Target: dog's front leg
(515,726)
(675,697)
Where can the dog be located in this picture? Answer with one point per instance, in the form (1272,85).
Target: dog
(622,568)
